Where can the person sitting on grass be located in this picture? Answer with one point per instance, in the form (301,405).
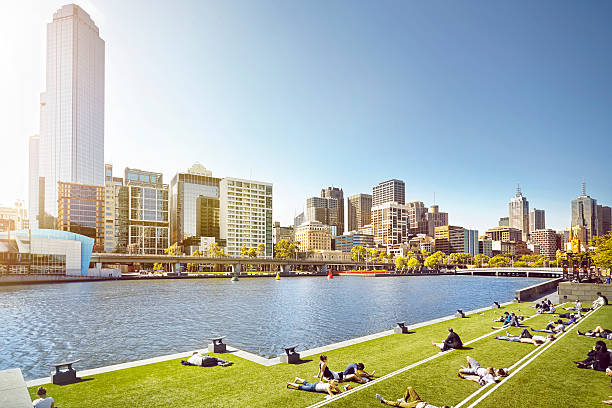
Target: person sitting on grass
(452,341)
(577,306)
(325,374)
(526,337)
(597,332)
(513,321)
(355,372)
(503,318)
(43,401)
(600,301)
(597,359)
(483,376)
(552,327)
(331,388)
(547,309)
(204,360)
(411,400)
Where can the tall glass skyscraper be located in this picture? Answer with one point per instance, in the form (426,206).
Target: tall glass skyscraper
(71,109)
(584,214)
(519,213)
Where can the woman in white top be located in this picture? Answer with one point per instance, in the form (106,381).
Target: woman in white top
(43,401)
(332,388)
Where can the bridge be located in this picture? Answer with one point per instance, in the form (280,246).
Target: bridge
(510,271)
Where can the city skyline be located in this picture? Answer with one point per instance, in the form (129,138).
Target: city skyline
(248,141)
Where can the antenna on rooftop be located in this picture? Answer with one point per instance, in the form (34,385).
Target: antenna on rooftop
(518,189)
(583,188)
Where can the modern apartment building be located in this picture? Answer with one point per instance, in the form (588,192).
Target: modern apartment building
(435,218)
(71,146)
(359,210)
(185,189)
(352,239)
(313,235)
(324,210)
(604,219)
(505,234)
(80,209)
(519,213)
(390,191)
(245,214)
(338,194)
(546,241)
(390,223)
(537,220)
(584,214)
(452,239)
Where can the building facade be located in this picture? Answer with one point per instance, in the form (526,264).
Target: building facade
(16,217)
(452,239)
(80,209)
(359,211)
(504,222)
(505,234)
(604,220)
(324,210)
(71,147)
(246,215)
(537,220)
(313,236)
(519,213)
(338,194)
(352,239)
(584,214)
(390,223)
(417,213)
(435,218)
(390,191)
(280,233)
(33,147)
(485,246)
(546,241)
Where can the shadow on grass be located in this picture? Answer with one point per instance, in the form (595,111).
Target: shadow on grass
(78,380)
(302,362)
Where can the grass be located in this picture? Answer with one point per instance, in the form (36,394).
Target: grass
(169,384)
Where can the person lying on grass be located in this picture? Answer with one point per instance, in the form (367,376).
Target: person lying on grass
(204,360)
(552,327)
(597,359)
(526,337)
(452,341)
(573,318)
(411,400)
(503,318)
(483,376)
(513,321)
(597,332)
(331,388)
(355,372)
(549,309)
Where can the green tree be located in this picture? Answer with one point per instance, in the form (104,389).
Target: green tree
(499,261)
(481,259)
(217,251)
(602,255)
(158,268)
(520,264)
(261,249)
(285,249)
(252,252)
(244,251)
(413,264)
(358,253)
(400,262)
(372,254)
(434,260)
(173,249)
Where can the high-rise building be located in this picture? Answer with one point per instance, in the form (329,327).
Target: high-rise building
(71,148)
(115,212)
(324,210)
(338,194)
(604,220)
(435,218)
(352,239)
(519,213)
(80,209)
(390,191)
(417,213)
(504,222)
(34,144)
(390,223)
(452,239)
(584,214)
(282,233)
(313,235)
(208,223)
(359,209)
(485,246)
(504,234)
(546,241)
(245,215)
(185,189)
(16,218)
(537,220)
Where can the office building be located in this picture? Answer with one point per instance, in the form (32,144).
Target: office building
(71,146)
(185,189)
(81,210)
(537,220)
(282,233)
(519,213)
(546,241)
(390,191)
(33,147)
(245,215)
(452,239)
(208,219)
(16,218)
(359,211)
(435,218)
(505,234)
(313,235)
(115,212)
(584,214)
(421,243)
(504,222)
(352,239)
(338,194)
(366,230)
(485,246)
(324,210)
(299,220)
(604,220)
(417,213)
(390,223)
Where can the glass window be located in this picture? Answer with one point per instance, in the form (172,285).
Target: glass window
(132,176)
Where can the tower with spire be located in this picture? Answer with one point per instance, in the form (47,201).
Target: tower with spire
(584,214)
(518,213)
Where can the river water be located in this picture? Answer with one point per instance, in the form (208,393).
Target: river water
(105,323)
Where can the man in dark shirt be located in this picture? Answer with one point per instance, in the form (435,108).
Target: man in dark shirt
(452,341)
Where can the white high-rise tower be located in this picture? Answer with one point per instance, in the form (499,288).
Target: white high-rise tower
(72,108)
(519,213)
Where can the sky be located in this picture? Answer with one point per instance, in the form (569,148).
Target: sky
(461,99)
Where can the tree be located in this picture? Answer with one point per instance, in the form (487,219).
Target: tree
(244,251)
(252,253)
(174,249)
(434,260)
(358,253)
(499,261)
(217,251)
(400,262)
(261,249)
(285,249)
(602,255)
(481,259)
(373,254)
(424,253)
(413,264)
(158,268)
(520,264)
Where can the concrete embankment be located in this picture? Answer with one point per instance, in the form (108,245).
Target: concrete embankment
(28,279)
(535,291)
(587,292)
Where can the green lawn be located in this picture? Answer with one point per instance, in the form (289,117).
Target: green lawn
(169,384)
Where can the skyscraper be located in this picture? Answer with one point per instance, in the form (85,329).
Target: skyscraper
(359,209)
(519,213)
(33,181)
(338,194)
(537,220)
(72,107)
(584,214)
(324,210)
(604,219)
(390,191)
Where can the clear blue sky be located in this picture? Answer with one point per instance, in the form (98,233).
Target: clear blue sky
(464,99)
